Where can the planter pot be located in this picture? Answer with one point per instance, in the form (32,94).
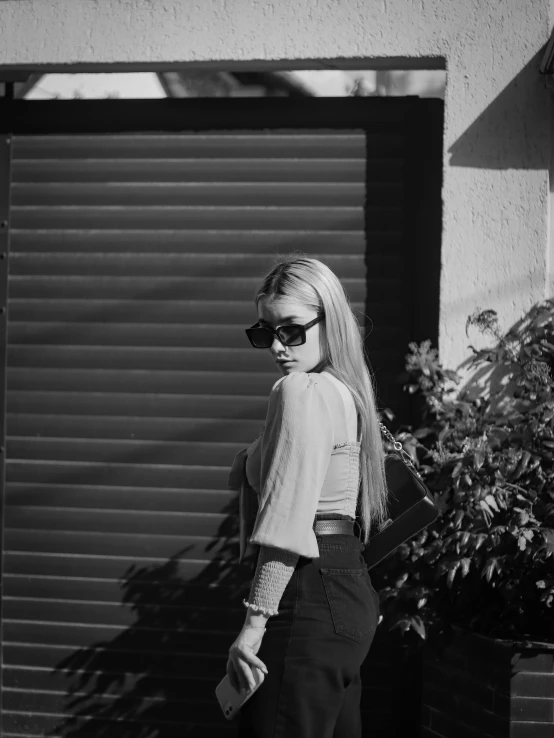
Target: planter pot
(480,687)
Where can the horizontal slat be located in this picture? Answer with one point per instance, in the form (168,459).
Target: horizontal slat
(136,380)
(237,266)
(37,723)
(101,566)
(113,474)
(147,429)
(127,522)
(122,498)
(127,452)
(82,624)
(152,218)
(45,679)
(173,714)
(196,731)
(85,623)
(160,406)
(107,544)
(192,312)
(144,381)
(236,242)
(210,170)
(22,352)
(51,656)
(268,194)
(308,144)
(148,346)
(143,288)
(165,592)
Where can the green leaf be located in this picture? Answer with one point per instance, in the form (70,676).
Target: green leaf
(422,432)
(491,501)
(418,626)
(548,535)
(444,432)
(457,470)
(458,519)
(464,565)
(401,579)
(488,569)
(452,573)
(404,624)
(483,504)
(478,459)
(523,517)
(481,538)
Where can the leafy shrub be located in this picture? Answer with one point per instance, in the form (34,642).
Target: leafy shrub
(487,456)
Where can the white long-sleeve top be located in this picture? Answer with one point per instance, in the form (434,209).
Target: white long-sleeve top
(305,461)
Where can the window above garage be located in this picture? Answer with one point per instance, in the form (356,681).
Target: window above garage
(210,83)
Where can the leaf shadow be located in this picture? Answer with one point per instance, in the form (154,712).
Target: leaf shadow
(156,678)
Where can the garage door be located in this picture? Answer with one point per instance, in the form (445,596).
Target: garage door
(134,259)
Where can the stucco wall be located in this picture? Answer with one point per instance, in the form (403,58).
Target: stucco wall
(497,131)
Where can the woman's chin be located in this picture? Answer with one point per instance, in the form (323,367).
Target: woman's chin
(287,368)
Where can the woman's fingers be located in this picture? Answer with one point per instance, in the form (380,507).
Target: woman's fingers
(240,665)
(249,657)
(255,661)
(248,682)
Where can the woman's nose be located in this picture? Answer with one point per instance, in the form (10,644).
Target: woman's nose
(277,345)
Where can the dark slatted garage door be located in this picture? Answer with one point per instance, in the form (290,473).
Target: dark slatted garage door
(133,263)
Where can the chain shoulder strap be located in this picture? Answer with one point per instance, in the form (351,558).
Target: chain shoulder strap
(398,448)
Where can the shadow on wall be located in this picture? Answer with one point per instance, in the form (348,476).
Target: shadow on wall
(499,381)
(512,132)
(156,678)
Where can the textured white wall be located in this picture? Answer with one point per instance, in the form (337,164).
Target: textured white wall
(498,125)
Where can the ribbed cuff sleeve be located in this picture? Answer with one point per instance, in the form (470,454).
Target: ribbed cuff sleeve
(273,572)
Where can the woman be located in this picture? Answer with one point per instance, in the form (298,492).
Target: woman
(316,467)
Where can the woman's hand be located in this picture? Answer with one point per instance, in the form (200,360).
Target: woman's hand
(242,658)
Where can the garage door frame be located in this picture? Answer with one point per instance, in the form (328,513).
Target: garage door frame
(422,120)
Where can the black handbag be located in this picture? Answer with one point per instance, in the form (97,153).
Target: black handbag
(410,505)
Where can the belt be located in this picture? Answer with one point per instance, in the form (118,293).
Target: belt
(329,527)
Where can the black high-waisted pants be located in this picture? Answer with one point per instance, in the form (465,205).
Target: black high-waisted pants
(314,648)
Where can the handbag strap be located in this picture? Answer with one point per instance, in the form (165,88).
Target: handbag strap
(404,455)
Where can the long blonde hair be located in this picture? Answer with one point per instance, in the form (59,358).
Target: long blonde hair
(311,283)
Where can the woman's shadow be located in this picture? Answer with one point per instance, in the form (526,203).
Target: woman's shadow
(156,678)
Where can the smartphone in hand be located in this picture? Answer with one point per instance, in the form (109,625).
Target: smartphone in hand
(230,699)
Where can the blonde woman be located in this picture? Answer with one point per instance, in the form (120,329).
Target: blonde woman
(314,472)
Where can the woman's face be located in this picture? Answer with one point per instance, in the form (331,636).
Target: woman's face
(279,312)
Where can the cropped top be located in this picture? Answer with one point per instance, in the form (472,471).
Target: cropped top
(305,461)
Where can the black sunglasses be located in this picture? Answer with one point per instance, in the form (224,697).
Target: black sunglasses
(288,335)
